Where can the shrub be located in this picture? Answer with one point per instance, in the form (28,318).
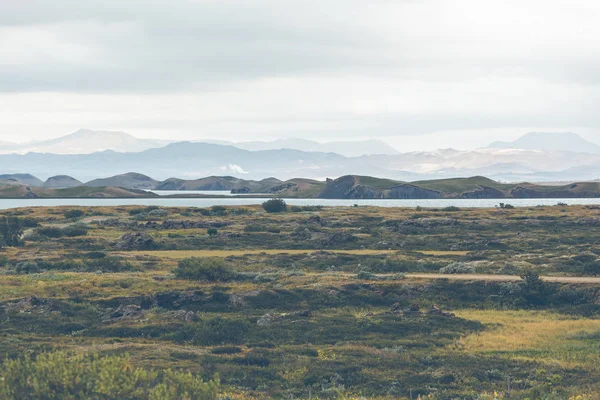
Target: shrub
(457,268)
(255,228)
(158,213)
(211,269)
(144,210)
(11,229)
(592,268)
(226,350)
(3,261)
(75,230)
(451,209)
(274,205)
(27,267)
(70,214)
(218,211)
(50,231)
(366,276)
(212,231)
(59,375)
(95,254)
(29,222)
(220,331)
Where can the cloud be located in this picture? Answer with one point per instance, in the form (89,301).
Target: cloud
(321,69)
(233,168)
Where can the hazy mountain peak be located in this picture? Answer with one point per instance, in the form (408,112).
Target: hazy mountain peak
(553,141)
(86,141)
(345,148)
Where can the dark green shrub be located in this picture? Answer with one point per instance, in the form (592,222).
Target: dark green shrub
(59,375)
(451,209)
(50,231)
(3,261)
(75,213)
(218,211)
(11,230)
(220,331)
(212,231)
(144,210)
(94,255)
(226,350)
(29,222)
(209,269)
(27,267)
(274,205)
(592,268)
(75,230)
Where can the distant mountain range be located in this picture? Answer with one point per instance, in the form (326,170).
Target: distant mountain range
(550,141)
(84,141)
(534,157)
(345,187)
(87,141)
(348,149)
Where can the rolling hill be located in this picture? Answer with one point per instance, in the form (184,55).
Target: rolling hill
(345,187)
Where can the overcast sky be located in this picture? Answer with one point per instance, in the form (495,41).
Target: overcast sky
(419,74)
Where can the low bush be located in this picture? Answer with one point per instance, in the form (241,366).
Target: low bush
(457,268)
(210,269)
(144,210)
(274,205)
(27,267)
(451,209)
(75,230)
(75,213)
(59,375)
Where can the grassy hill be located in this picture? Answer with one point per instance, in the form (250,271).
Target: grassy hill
(351,186)
(345,187)
(22,191)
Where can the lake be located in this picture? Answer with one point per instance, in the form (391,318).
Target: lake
(208,202)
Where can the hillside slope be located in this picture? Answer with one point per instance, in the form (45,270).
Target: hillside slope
(30,192)
(477,187)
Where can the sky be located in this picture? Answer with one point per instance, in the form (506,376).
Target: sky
(419,74)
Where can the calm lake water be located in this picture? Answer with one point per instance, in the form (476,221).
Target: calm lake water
(208,202)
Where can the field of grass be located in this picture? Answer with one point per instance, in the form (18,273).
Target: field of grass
(535,336)
(384,303)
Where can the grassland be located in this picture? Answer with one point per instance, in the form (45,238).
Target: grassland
(386,303)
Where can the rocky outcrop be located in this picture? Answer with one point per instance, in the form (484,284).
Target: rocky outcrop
(284,186)
(349,187)
(485,192)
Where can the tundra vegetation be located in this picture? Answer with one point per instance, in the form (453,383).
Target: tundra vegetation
(236,302)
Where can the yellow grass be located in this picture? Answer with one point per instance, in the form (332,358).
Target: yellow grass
(538,335)
(444,253)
